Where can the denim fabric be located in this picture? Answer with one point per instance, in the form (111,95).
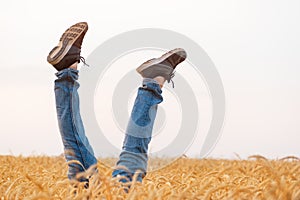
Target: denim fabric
(138,133)
(134,155)
(76,144)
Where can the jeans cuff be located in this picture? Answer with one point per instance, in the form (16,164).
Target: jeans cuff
(68,72)
(149,80)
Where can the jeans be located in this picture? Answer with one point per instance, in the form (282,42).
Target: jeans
(134,155)
(76,144)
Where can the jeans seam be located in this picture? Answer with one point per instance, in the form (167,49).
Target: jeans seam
(74,126)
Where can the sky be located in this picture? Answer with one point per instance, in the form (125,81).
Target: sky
(254,45)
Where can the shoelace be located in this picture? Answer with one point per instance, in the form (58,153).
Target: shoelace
(82,59)
(172,76)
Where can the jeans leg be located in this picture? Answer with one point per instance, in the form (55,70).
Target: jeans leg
(76,144)
(138,135)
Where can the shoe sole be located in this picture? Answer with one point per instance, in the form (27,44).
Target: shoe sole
(66,41)
(179,52)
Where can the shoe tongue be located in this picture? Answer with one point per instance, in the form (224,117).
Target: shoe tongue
(167,63)
(177,58)
(174,61)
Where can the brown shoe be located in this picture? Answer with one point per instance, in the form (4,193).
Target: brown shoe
(67,52)
(162,66)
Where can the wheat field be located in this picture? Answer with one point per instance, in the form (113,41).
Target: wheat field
(43,177)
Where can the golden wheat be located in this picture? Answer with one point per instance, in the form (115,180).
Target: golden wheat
(43,177)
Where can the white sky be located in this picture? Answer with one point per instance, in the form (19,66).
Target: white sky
(254,44)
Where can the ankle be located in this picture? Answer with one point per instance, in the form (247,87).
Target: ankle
(160,80)
(74,65)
